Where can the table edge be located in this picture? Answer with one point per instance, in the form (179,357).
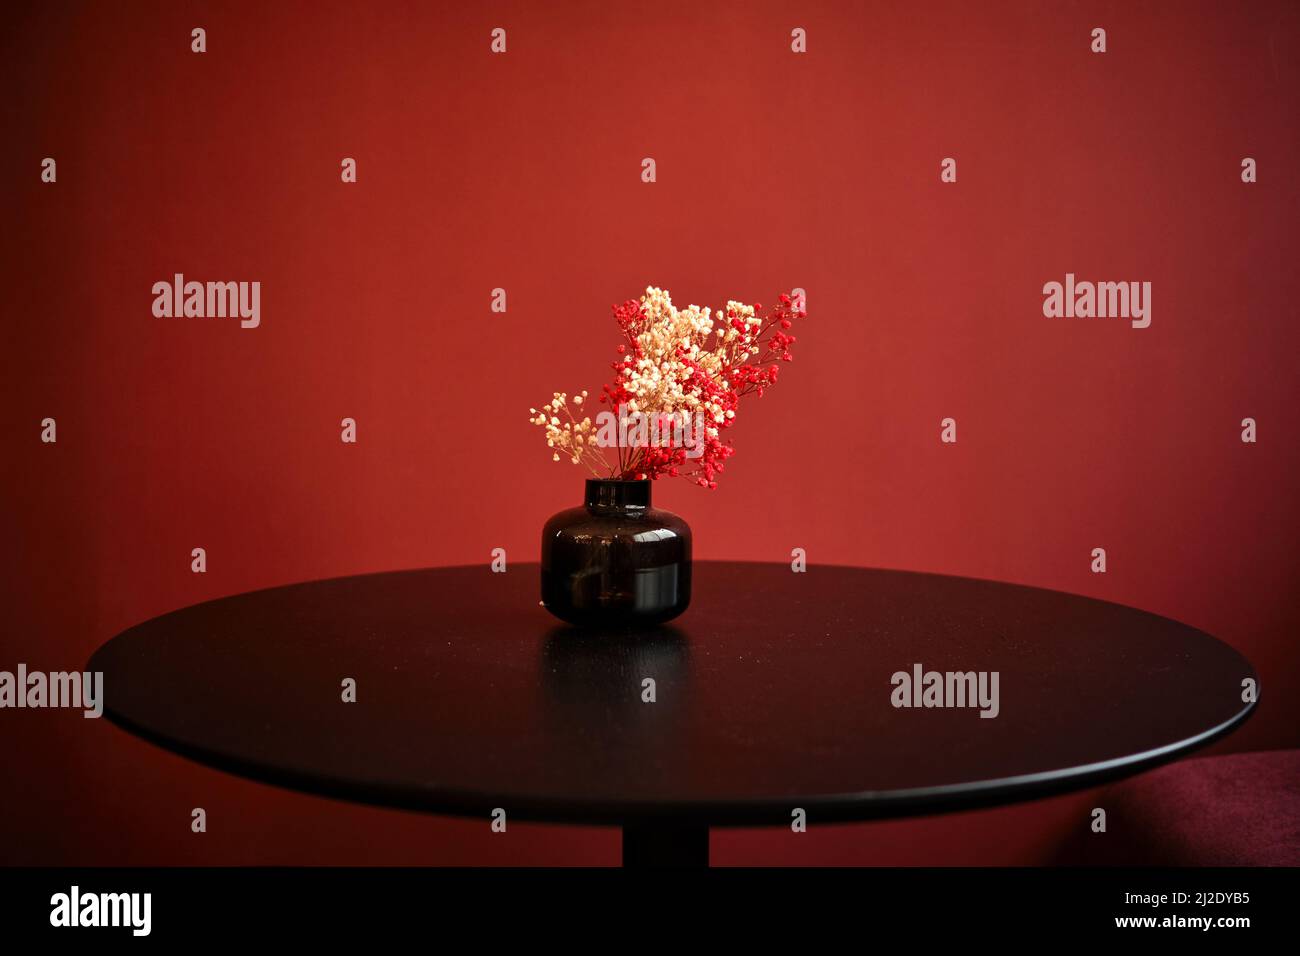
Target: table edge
(861,806)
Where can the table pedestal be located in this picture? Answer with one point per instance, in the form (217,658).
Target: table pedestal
(657,844)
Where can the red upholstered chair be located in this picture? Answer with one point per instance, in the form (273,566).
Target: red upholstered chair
(1235,810)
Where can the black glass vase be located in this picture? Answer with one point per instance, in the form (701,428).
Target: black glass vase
(616,561)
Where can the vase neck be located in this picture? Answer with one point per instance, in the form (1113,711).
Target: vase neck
(612,495)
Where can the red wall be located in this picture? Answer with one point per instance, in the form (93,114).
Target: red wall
(523,171)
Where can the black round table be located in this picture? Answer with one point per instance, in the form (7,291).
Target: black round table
(775,692)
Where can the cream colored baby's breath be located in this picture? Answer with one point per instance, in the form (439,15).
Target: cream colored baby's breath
(670,341)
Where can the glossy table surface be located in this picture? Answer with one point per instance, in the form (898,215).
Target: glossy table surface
(775,690)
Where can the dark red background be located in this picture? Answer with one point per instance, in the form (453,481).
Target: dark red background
(523,171)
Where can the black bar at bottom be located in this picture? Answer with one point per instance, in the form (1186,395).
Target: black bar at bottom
(237,904)
(651,845)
